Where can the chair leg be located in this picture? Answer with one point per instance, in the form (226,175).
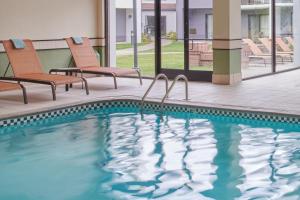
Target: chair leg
(67,87)
(84,81)
(24,94)
(115,82)
(140,77)
(71,74)
(265,63)
(53,88)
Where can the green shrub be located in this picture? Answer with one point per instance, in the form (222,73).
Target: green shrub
(172,36)
(146,39)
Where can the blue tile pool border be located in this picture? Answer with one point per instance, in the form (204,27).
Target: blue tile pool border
(148,106)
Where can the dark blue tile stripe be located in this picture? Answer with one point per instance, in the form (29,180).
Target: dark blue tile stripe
(19,121)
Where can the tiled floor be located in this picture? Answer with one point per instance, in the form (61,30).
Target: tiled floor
(256,69)
(279,93)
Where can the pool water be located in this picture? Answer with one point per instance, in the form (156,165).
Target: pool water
(122,154)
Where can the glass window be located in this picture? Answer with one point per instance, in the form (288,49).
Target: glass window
(200,43)
(209,26)
(264,26)
(124,31)
(284,35)
(256,34)
(172,34)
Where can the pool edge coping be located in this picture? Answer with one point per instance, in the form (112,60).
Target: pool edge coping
(157,101)
(190,107)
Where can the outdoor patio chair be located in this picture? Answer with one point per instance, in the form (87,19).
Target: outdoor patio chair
(256,52)
(200,54)
(7,86)
(281,55)
(27,67)
(283,46)
(86,61)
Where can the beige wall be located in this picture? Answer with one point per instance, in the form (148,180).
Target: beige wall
(50,19)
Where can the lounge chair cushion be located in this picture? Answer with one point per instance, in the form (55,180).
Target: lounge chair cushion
(77,40)
(18,43)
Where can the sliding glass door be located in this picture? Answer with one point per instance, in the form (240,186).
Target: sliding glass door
(268,32)
(184,39)
(256,36)
(285,35)
(124,32)
(175,36)
(130,33)
(172,35)
(200,35)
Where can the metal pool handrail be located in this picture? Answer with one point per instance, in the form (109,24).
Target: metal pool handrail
(179,77)
(159,76)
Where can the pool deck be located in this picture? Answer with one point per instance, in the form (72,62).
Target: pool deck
(275,94)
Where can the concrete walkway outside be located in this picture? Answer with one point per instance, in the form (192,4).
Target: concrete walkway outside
(147,47)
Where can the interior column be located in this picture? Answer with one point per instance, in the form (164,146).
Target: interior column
(227,42)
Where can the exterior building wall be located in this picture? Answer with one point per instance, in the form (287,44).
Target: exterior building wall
(245,25)
(121,25)
(124,17)
(284,21)
(180,20)
(145,14)
(245,21)
(199,10)
(163,1)
(171,24)
(198,22)
(200,4)
(124,4)
(129,24)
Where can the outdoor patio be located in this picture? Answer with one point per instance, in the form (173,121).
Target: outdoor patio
(173,57)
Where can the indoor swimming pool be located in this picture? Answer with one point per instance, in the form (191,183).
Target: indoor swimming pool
(120,153)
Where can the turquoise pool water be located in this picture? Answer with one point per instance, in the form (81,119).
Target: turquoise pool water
(121,154)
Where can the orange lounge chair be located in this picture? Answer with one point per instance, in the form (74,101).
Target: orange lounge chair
(7,86)
(256,51)
(268,45)
(27,67)
(283,46)
(86,60)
